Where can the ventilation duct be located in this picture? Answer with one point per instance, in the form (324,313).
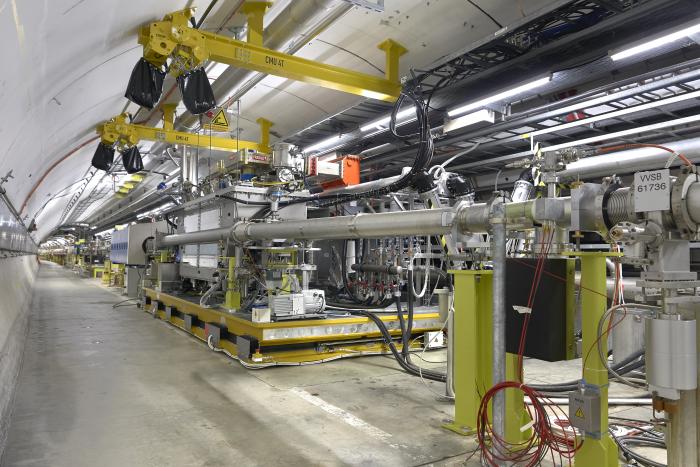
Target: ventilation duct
(145,85)
(104,157)
(196,91)
(132,160)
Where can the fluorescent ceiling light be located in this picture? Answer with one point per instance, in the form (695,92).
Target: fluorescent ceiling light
(618,134)
(500,96)
(376,148)
(382,122)
(324,144)
(655,43)
(483,115)
(616,113)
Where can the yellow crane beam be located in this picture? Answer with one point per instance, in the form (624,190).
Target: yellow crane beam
(118,130)
(188,47)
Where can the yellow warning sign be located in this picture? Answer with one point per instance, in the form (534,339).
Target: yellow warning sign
(579,413)
(219,122)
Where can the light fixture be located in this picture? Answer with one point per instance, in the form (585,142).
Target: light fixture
(618,134)
(616,113)
(382,122)
(500,96)
(483,115)
(326,143)
(647,45)
(371,150)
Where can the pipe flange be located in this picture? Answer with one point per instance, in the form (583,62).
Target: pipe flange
(685,224)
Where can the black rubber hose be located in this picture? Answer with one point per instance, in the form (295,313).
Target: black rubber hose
(409,368)
(625,366)
(169,222)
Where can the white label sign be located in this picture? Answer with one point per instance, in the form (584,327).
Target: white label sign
(652,190)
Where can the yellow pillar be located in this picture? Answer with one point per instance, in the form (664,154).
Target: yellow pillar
(393,51)
(168,116)
(598,450)
(233,297)
(265,126)
(472,357)
(255,12)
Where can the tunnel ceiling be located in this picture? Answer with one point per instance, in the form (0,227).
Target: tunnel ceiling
(67,63)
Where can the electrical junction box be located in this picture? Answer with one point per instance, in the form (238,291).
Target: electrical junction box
(584,410)
(127,244)
(261,315)
(433,340)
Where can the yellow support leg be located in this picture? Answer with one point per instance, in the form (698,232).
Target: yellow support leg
(472,357)
(597,450)
(232,301)
(393,51)
(255,12)
(265,126)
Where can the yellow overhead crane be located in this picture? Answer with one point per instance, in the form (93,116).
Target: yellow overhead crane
(118,130)
(173,37)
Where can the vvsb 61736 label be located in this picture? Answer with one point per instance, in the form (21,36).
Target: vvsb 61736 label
(652,190)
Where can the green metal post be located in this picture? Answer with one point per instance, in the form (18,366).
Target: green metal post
(472,357)
(597,450)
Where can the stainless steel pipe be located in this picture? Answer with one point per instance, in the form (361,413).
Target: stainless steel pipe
(388,224)
(498,253)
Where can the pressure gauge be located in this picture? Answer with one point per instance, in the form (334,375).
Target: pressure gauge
(285,175)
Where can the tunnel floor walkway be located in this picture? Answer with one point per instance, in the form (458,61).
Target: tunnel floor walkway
(114,387)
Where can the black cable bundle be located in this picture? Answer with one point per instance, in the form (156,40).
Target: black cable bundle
(404,357)
(423,157)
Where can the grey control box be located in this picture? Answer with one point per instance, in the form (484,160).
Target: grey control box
(584,410)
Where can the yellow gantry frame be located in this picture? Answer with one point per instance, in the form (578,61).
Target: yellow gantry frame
(118,130)
(189,47)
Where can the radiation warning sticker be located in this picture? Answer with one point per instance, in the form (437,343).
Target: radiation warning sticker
(219,120)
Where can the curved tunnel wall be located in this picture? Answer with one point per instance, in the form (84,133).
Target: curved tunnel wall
(18,268)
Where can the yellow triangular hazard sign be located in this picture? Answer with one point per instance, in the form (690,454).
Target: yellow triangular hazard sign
(579,413)
(220,121)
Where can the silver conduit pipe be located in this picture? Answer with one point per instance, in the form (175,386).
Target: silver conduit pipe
(618,162)
(498,254)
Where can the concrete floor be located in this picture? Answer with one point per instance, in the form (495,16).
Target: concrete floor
(113,387)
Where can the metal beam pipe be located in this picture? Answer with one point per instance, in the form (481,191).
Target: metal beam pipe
(465,218)
(389,224)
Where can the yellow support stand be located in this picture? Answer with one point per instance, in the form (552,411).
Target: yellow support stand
(255,12)
(107,274)
(472,357)
(596,451)
(232,301)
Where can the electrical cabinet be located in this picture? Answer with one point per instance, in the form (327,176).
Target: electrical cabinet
(127,244)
